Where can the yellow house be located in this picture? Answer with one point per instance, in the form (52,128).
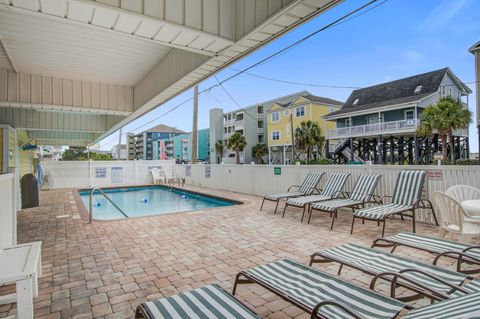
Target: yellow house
(283,119)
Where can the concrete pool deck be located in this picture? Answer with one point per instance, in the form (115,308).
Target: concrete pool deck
(105,269)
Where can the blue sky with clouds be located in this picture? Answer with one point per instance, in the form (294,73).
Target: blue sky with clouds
(397,39)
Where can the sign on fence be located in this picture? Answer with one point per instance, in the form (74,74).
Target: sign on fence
(117,175)
(100,172)
(188,170)
(435,175)
(277,170)
(208,171)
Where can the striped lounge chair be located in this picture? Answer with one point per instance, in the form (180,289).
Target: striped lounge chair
(406,198)
(333,188)
(362,193)
(424,279)
(308,187)
(462,307)
(210,302)
(463,253)
(318,293)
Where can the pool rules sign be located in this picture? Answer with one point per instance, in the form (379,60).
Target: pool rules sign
(117,175)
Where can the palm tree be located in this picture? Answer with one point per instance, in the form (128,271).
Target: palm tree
(444,117)
(219,150)
(259,151)
(237,143)
(306,136)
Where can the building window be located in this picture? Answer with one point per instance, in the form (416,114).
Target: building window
(275,135)
(275,116)
(449,91)
(374,119)
(442,91)
(332,109)
(300,111)
(409,114)
(355,102)
(347,122)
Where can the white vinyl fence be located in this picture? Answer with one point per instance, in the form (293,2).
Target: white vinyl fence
(82,174)
(261,179)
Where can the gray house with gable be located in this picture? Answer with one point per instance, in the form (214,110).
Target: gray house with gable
(379,123)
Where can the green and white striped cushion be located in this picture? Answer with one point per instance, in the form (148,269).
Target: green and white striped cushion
(408,187)
(334,184)
(463,307)
(471,287)
(375,261)
(209,302)
(331,205)
(365,185)
(277,196)
(310,182)
(432,244)
(309,286)
(304,200)
(380,212)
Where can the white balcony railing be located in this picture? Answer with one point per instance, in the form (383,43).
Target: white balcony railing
(260,130)
(260,116)
(374,129)
(227,135)
(239,125)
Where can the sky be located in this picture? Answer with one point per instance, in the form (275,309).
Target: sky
(398,38)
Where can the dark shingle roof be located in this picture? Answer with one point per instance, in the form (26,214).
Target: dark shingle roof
(394,92)
(323,100)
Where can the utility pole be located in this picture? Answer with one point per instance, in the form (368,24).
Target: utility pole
(119,146)
(195,119)
(293,140)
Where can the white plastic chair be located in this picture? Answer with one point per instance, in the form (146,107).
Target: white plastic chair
(453,218)
(158,176)
(462,193)
(170,177)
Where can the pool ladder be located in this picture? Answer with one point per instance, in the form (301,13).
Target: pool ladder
(96,188)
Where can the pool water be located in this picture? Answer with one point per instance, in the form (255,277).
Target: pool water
(147,201)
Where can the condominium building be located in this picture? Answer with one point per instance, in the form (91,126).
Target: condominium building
(285,118)
(250,121)
(179,147)
(140,146)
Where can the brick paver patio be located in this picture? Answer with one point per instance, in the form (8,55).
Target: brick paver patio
(105,269)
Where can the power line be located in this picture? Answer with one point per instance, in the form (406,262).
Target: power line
(351,15)
(234,101)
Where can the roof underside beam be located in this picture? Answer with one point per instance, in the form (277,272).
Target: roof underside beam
(257,22)
(22,90)
(57,121)
(190,25)
(62,138)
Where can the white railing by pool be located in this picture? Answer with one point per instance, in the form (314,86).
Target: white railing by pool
(85,174)
(374,129)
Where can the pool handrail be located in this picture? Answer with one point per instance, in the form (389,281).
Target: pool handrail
(90,212)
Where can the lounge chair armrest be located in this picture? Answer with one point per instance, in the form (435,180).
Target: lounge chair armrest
(372,198)
(345,194)
(290,188)
(461,256)
(470,248)
(383,197)
(434,294)
(338,194)
(337,304)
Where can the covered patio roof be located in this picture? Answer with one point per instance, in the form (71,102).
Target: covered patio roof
(74,71)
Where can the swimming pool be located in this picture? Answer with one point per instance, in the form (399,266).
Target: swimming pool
(147,201)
